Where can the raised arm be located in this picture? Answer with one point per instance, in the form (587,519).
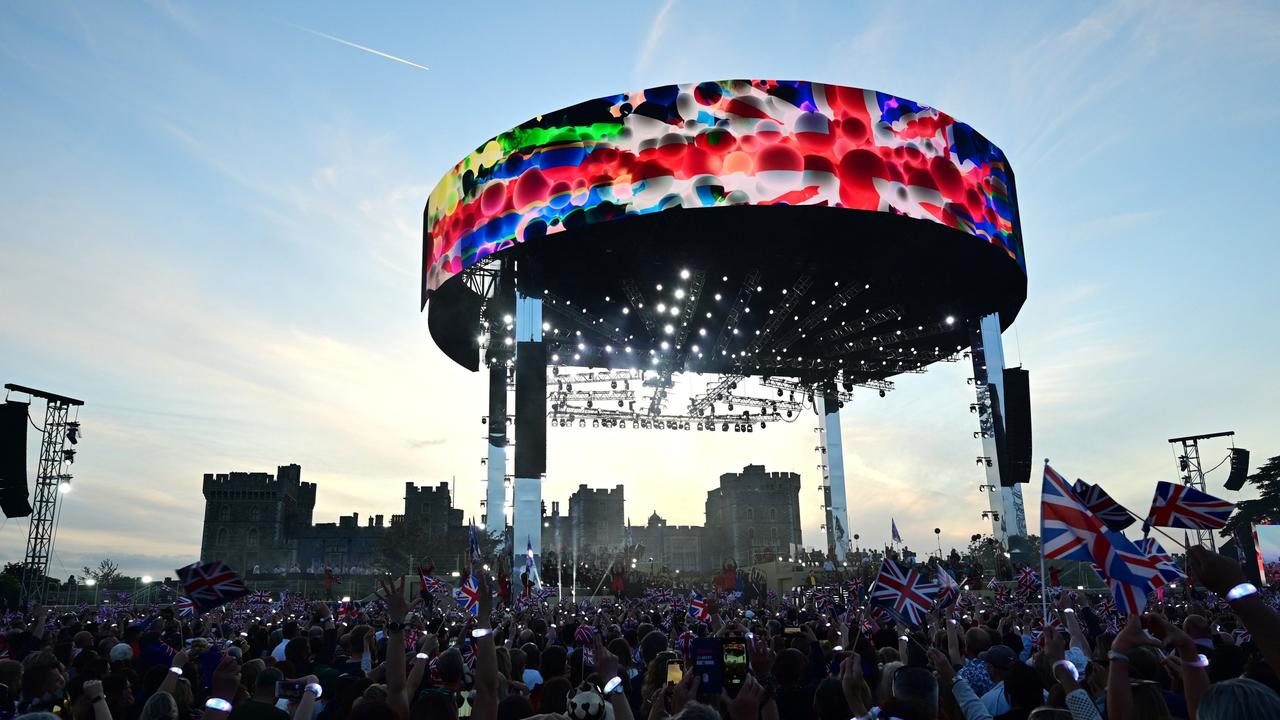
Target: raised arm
(486,681)
(1222,575)
(392,593)
(170,682)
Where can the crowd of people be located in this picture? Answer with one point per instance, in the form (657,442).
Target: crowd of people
(1205,653)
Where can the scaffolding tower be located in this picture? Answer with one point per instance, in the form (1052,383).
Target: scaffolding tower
(51,480)
(1192,474)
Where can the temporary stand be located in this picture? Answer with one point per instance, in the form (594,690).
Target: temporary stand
(1193,476)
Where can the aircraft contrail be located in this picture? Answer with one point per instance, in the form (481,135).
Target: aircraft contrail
(348,43)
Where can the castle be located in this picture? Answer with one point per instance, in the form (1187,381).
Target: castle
(260,523)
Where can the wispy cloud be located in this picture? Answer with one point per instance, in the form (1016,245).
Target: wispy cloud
(657,29)
(358,46)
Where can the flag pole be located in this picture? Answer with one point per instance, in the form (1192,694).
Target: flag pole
(1044,591)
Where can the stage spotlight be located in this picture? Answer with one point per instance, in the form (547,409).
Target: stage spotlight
(726,427)
(64,486)
(591,404)
(699,427)
(881,393)
(582,423)
(613,385)
(69,455)
(779,392)
(484,421)
(73,432)
(761,426)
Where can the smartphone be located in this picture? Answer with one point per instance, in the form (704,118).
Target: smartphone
(735,664)
(708,663)
(791,631)
(675,673)
(290,689)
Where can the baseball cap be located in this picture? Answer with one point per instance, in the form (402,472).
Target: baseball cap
(1000,657)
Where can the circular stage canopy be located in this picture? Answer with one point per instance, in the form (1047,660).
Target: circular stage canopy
(750,227)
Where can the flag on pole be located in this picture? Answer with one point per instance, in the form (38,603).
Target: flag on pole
(473,547)
(893,528)
(1111,513)
(211,584)
(1185,507)
(698,609)
(904,592)
(468,596)
(1069,531)
(948,589)
(1164,560)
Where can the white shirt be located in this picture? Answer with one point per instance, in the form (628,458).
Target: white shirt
(278,653)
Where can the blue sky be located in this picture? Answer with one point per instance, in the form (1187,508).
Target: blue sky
(211,225)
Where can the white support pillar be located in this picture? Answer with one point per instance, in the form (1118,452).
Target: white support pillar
(838,505)
(496,462)
(1007,514)
(531,423)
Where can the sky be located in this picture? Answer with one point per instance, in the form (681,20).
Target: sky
(211,217)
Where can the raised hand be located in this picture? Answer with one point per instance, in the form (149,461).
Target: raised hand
(1219,573)
(942,665)
(392,593)
(1132,636)
(746,706)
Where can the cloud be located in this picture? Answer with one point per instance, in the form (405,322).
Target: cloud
(430,442)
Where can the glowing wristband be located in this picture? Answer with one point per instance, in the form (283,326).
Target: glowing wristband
(1117,655)
(314,688)
(613,687)
(1200,662)
(1070,666)
(176,670)
(217,703)
(481,632)
(1242,590)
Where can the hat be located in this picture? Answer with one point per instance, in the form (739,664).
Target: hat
(121,652)
(1000,657)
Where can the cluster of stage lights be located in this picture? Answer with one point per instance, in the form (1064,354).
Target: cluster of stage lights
(680,424)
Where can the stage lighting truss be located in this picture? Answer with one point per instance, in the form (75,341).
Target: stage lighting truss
(662,329)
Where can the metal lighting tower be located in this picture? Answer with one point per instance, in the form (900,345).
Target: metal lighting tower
(49,479)
(1192,474)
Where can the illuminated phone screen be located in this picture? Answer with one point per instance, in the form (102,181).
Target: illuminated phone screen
(735,663)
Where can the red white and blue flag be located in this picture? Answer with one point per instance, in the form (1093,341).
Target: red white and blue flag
(473,547)
(1164,561)
(1185,507)
(186,608)
(1071,532)
(904,592)
(260,597)
(698,609)
(1111,513)
(948,589)
(1028,579)
(211,584)
(468,596)
(431,585)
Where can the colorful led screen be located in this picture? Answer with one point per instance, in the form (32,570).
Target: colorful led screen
(1266,539)
(735,142)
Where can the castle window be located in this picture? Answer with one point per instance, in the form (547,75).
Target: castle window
(222,536)
(255,513)
(773,532)
(252,538)
(773,514)
(224,513)
(751,514)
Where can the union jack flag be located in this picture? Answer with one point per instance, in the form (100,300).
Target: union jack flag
(186,608)
(904,592)
(1164,561)
(870,627)
(948,589)
(1071,532)
(857,589)
(1185,507)
(470,653)
(698,609)
(1107,606)
(211,584)
(468,596)
(684,644)
(261,597)
(1111,513)
(473,547)
(432,585)
(1028,579)
(545,594)
(1039,629)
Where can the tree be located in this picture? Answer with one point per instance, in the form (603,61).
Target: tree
(1265,508)
(107,572)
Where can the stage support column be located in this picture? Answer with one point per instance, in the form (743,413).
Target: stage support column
(838,504)
(1008,517)
(531,418)
(496,494)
